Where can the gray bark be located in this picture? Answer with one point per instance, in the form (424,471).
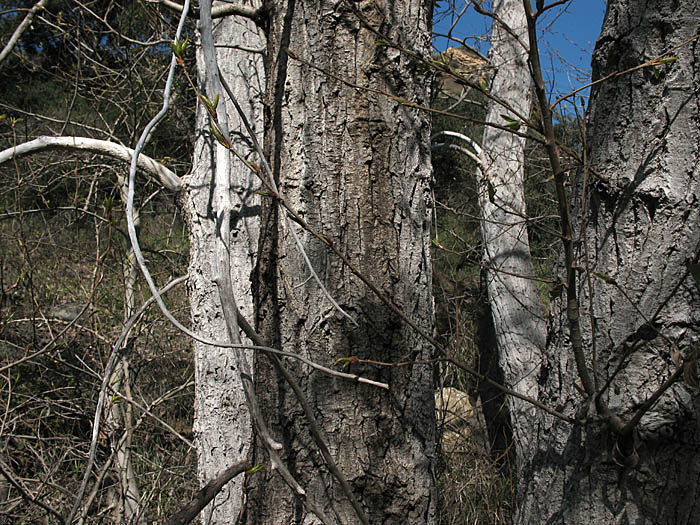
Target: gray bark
(127,495)
(356,166)
(222,424)
(514,304)
(640,230)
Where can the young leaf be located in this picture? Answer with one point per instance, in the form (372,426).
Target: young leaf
(512,123)
(604,277)
(256,468)
(179,47)
(668,60)
(219,136)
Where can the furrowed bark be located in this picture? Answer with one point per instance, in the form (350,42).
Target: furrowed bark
(355,165)
(641,307)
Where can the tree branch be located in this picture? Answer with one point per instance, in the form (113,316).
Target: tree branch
(572,307)
(109,369)
(207,493)
(5,471)
(41,4)
(256,15)
(101,147)
(476,157)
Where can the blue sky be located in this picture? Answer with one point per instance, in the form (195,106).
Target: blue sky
(569,34)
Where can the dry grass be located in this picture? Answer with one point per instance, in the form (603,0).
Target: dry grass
(474,488)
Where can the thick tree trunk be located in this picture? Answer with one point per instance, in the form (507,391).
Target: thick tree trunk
(356,166)
(222,424)
(516,310)
(642,312)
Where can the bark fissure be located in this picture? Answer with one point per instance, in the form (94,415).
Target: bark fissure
(641,230)
(338,169)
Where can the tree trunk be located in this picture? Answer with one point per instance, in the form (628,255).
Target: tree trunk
(514,304)
(222,424)
(355,165)
(127,494)
(641,313)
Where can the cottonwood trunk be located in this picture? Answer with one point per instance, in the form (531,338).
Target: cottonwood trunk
(514,305)
(640,226)
(355,165)
(222,424)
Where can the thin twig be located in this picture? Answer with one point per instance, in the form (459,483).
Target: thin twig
(657,61)
(41,4)
(5,471)
(109,370)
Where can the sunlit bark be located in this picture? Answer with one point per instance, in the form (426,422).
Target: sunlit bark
(356,166)
(222,425)
(636,201)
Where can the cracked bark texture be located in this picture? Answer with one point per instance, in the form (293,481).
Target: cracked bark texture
(641,227)
(222,423)
(514,305)
(356,166)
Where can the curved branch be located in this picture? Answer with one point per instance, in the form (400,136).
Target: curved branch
(458,148)
(219,11)
(102,147)
(471,142)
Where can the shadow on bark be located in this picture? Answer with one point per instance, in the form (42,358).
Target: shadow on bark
(493,401)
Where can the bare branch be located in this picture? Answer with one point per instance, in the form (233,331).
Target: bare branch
(207,493)
(476,157)
(109,369)
(5,471)
(101,147)
(541,8)
(219,11)
(496,18)
(656,61)
(563,205)
(41,4)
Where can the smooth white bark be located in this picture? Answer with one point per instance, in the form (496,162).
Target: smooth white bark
(513,297)
(102,147)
